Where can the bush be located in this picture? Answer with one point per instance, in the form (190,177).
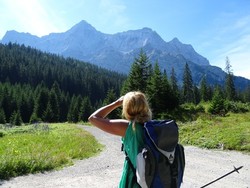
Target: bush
(218,106)
(34,119)
(2,133)
(185,112)
(237,107)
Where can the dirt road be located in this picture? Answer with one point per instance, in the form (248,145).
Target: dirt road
(104,170)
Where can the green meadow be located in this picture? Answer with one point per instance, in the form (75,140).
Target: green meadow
(231,132)
(41,147)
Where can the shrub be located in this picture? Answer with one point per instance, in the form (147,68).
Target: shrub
(218,106)
(2,133)
(237,107)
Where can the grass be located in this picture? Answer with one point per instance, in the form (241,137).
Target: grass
(231,132)
(42,147)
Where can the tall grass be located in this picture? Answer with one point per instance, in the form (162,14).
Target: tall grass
(41,147)
(231,132)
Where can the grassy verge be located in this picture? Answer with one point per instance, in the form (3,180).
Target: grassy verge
(41,147)
(231,132)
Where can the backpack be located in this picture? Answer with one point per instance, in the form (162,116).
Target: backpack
(161,161)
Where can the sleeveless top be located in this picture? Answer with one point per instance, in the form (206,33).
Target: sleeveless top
(133,141)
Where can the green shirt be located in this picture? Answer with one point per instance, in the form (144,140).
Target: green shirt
(133,142)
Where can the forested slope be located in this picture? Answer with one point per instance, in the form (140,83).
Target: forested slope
(37,83)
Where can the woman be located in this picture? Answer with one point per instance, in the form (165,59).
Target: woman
(136,111)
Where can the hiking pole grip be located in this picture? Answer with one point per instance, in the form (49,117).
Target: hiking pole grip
(235,170)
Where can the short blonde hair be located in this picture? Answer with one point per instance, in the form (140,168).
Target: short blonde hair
(136,107)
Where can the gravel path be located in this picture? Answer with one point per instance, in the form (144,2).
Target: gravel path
(104,170)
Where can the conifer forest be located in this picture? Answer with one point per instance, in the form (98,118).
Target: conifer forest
(37,86)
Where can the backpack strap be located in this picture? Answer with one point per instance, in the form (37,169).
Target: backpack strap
(177,168)
(181,162)
(128,160)
(174,170)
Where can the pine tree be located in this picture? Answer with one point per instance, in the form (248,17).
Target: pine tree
(204,89)
(26,105)
(247,94)
(55,101)
(197,96)
(175,88)
(230,88)
(41,102)
(6,101)
(16,118)
(64,107)
(173,81)
(111,97)
(188,92)
(160,93)
(2,116)
(54,105)
(48,115)
(74,109)
(155,90)
(169,98)
(217,106)
(85,109)
(139,74)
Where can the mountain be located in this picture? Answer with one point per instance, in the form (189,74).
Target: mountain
(117,51)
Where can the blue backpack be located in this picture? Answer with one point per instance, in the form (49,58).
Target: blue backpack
(161,162)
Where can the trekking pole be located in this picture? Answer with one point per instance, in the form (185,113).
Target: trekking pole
(235,170)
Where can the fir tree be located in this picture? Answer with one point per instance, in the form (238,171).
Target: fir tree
(230,88)
(48,115)
(74,109)
(204,89)
(16,118)
(173,81)
(197,96)
(85,109)
(155,90)
(2,116)
(218,106)
(188,92)
(41,103)
(175,88)
(64,107)
(111,97)
(247,94)
(138,77)
(54,105)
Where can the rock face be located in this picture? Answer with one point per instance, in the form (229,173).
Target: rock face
(117,51)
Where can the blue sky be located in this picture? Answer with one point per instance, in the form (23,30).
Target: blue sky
(215,28)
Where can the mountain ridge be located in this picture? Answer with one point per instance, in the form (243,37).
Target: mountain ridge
(117,51)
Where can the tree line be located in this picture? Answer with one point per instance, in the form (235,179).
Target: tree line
(37,86)
(165,94)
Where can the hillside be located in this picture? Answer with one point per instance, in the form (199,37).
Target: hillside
(43,84)
(116,52)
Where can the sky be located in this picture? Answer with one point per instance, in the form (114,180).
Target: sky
(215,28)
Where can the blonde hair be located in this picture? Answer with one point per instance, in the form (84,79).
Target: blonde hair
(136,107)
